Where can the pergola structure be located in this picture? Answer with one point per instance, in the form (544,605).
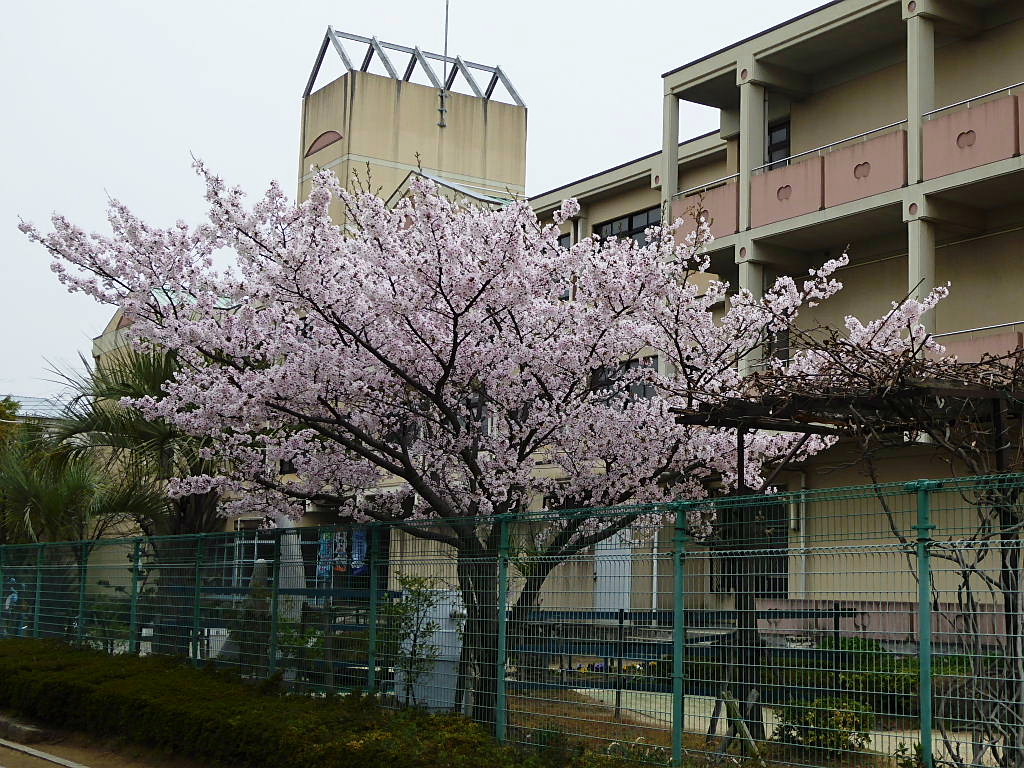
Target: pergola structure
(891,411)
(894,410)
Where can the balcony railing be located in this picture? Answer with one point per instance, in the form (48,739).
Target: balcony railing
(856,167)
(707,186)
(1005,90)
(974,132)
(826,148)
(719,199)
(970,344)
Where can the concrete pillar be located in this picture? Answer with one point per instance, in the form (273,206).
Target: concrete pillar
(751,277)
(752,139)
(669,154)
(581,227)
(921,263)
(920,89)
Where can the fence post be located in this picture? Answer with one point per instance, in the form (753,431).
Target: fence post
(679,538)
(500,725)
(620,645)
(37,603)
(83,576)
(371,618)
(275,586)
(924,530)
(197,599)
(133,606)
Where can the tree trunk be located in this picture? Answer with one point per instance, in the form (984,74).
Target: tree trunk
(478,571)
(745,567)
(173,604)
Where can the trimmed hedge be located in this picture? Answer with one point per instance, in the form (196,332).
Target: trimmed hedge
(211,715)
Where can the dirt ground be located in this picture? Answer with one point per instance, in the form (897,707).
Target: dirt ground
(92,753)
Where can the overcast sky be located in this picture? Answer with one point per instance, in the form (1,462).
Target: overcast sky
(109,98)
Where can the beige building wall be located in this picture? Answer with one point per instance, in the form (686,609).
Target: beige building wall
(389,128)
(626,202)
(968,67)
(852,107)
(986,276)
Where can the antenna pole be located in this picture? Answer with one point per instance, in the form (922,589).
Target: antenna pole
(443,108)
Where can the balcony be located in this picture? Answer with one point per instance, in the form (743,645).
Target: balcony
(877,164)
(850,169)
(971,344)
(971,133)
(977,131)
(861,176)
(786,192)
(719,201)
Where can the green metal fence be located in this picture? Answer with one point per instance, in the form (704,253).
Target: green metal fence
(873,625)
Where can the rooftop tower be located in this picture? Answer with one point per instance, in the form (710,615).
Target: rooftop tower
(392,122)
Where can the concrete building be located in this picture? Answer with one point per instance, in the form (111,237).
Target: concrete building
(892,127)
(889,127)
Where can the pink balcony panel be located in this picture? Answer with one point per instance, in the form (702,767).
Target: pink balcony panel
(865,169)
(1020,121)
(970,350)
(971,137)
(721,203)
(787,192)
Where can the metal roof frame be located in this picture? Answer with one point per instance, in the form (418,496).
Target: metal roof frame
(375,47)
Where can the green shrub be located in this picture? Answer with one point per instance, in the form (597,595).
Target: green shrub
(826,726)
(907,757)
(217,717)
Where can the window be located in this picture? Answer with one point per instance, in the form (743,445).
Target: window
(325,139)
(603,380)
(631,226)
(565,241)
(778,149)
(643,389)
(286,467)
(778,346)
(251,544)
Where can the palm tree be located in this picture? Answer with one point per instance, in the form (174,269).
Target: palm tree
(50,496)
(97,422)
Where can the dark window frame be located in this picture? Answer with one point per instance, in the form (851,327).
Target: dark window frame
(632,225)
(778,148)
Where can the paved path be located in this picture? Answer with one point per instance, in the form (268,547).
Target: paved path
(655,710)
(73,752)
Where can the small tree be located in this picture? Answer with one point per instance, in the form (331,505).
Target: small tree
(99,425)
(407,644)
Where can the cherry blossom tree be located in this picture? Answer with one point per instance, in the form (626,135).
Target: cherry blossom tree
(446,351)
